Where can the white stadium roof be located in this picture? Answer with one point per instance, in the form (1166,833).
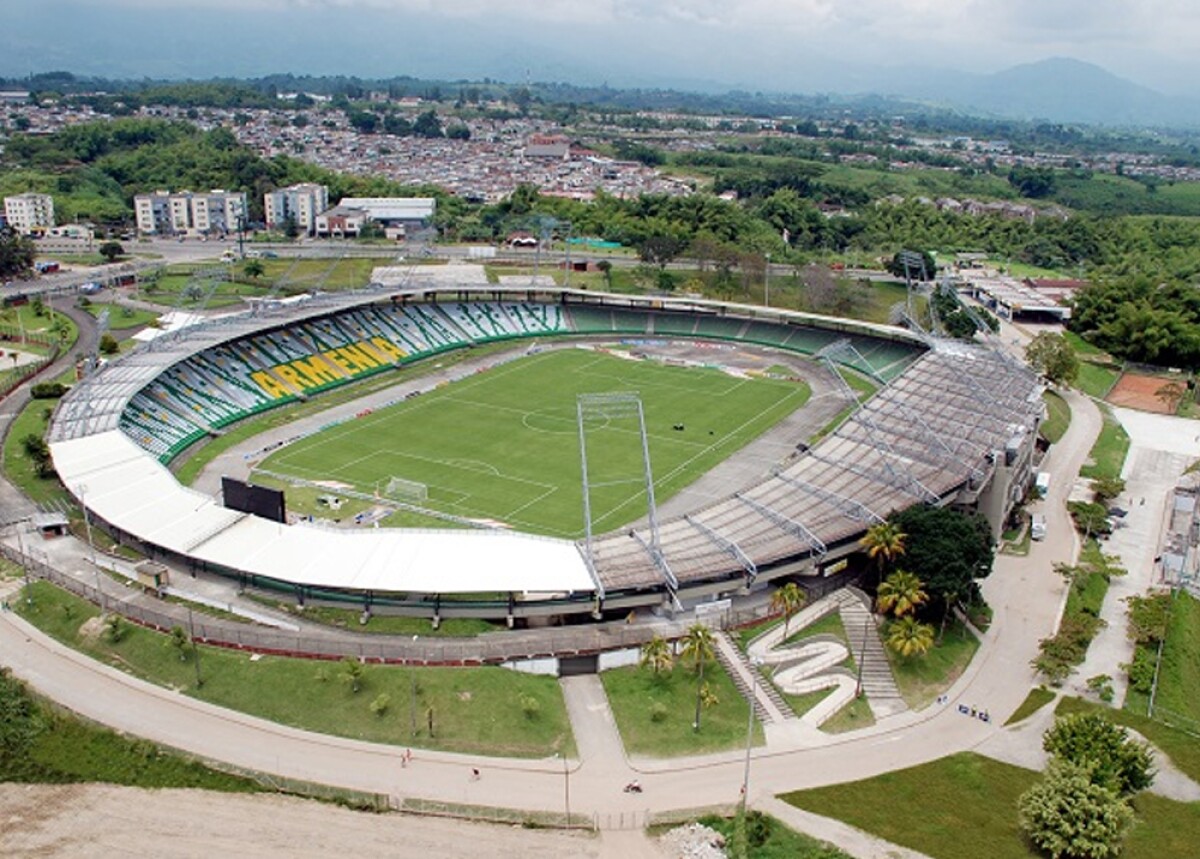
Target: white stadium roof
(130,489)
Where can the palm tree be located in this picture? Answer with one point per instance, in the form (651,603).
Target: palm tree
(253,268)
(656,655)
(698,648)
(788,599)
(900,594)
(884,543)
(909,637)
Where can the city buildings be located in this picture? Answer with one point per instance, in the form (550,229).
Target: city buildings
(300,203)
(30,213)
(189,213)
(398,217)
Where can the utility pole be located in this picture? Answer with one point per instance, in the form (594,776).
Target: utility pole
(87,524)
(767,282)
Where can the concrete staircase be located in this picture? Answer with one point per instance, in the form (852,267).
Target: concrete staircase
(878,684)
(769,706)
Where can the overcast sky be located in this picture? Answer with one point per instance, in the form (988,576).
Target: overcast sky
(730,42)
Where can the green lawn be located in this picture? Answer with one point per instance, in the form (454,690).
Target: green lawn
(855,715)
(1096,380)
(1179,672)
(1108,453)
(1083,348)
(475,710)
(922,678)
(966,805)
(503,445)
(1034,701)
(633,692)
(1058,417)
(17,466)
(122,318)
(768,838)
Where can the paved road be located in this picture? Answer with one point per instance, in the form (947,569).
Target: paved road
(1025,593)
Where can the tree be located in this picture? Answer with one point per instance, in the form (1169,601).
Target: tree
(1053,358)
(909,637)
(606,270)
(926,271)
(109,344)
(363,121)
(352,673)
(458,131)
(180,641)
(253,268)
(1106,488)
(901,593)
(1170,394)
(1033,182)
(38,451)
(656,655)
(17,253)
(111,250)
(428,125)
(698,648)
(291,229)
(788,599)
(1067,815)
(884,543)
(947,550)
(1105,751)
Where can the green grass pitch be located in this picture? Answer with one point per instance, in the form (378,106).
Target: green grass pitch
(504,444)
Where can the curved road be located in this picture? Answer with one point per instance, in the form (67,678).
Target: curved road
(1025,593)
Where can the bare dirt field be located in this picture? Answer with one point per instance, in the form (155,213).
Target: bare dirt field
(1138,391)
(106,821)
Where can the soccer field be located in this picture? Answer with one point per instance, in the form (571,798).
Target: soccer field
(504,445)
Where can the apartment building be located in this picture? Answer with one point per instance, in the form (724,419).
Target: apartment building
(301,203)
(189,213)
(29,213)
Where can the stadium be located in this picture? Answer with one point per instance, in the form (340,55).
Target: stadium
(951,424)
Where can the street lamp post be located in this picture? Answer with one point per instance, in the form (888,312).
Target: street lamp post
(195,648)
(767,282)
(862,656)
(754,665)
(87,525)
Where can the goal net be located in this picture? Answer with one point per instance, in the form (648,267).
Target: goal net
(410,491)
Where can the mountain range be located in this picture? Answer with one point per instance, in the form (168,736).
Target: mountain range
(178,43)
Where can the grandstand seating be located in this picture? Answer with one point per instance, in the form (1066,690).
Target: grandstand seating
(227,382)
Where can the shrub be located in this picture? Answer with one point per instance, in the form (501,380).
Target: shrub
(530,706)
(380,705)
(658,711)
(47,390)
(1067,815)
(115,628)
(1105,751)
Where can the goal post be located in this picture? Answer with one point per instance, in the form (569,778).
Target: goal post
(410,491)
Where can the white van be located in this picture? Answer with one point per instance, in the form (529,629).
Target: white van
(1037,527)
(1042,483)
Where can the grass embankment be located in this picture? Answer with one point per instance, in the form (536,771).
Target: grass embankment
(1058,417)
(43,745)
(121,318)
(18,467)
(966,805)
(382,624)
(654,712)
(921,679)
(1108,453)
(1179,671)
(474,710)
(767,838)
(1034,701)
